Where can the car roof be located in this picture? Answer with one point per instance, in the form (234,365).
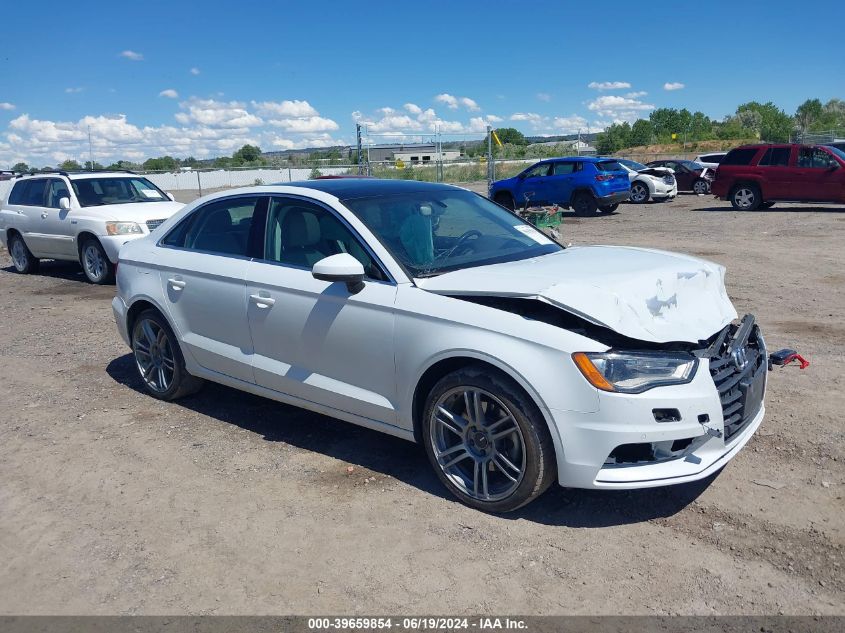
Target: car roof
(349,188)
(77,175)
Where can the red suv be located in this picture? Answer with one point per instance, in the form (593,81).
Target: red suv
(755,176)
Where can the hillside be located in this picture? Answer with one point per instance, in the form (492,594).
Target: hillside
(697,147)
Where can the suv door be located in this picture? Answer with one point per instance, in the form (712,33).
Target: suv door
(561,182)
(27,200)
(58,223)
(202,265)
(775,174)
(817,175)
(534,185)
(316,340)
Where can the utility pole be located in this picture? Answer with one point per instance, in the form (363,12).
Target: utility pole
(489,157)
(360,150)
(90,151)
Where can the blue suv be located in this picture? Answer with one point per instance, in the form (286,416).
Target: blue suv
(586,184)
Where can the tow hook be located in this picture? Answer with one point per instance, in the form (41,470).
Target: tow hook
(784,357)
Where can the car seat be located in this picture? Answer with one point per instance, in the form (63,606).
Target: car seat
(300,238)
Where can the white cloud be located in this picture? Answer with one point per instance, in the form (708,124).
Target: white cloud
(226,114)
(608,85)
(132,55)
(569,124)
(448,100)
(285,108)
(673,85)
(194,71)
(72,91)
(5,105)
(636,94)
(544,96)
(305,124)
(170,93)
(526,116)
(618,108)
(413,108)
(550,125)
(469,104)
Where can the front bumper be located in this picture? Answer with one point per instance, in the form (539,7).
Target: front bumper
(663,191)
(589,439)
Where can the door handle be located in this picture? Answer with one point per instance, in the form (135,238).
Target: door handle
(262,302)
(176,284)
(44,216)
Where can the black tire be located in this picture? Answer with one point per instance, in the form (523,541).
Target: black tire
(701,187)
(23,260)
(746,197)
(608,208)
(639,192)
(535,455)
(95,263)
(505,199)
(584,204)
(182,383)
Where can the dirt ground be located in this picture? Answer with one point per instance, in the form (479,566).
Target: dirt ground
(225,503)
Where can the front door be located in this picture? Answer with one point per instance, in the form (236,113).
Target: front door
(203,266)
(534,189)
(817,175)
(313,339)
(59,223)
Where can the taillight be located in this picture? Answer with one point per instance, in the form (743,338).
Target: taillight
(604,177)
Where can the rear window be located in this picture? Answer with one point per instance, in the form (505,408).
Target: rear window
(29,193)
(18,192)
(740,156)
(608,165)
(775,157)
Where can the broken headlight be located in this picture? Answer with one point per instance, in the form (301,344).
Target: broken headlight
(635,372)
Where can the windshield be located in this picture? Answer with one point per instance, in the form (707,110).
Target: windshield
(632,164)
(608,165)
(93,192)
(691,165)
(837,151)
(432,232)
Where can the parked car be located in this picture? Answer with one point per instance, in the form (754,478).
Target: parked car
(757,176)
(655,183)
(691,176)
(585,184)
(79,216)
(430,313)
(711,160)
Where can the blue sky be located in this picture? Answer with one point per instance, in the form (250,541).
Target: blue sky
(204,78)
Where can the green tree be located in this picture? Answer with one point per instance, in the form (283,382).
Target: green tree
(315,173)
(615,137)
(70,165)
(97,166)
(190,161)
(247,154)
(665,122)
(772,123)
(834,114)
(641,132)
(808,114)
(508,135)
(700,127)
(163,163)
(20,167)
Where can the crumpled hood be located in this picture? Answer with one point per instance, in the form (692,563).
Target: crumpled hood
(644,294)
(140,211)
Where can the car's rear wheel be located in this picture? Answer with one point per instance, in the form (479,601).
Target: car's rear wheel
(22,258)
(584,204)
(700,186)
(608,208)
(95,263)
(746,197)
(487,441)
(505,199)
(159,360)
(639,193)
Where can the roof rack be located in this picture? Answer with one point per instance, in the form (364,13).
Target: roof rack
(64,172)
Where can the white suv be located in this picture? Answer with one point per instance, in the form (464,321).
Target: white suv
(82,216)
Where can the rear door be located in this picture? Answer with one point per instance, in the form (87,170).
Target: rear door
(313,339)
(775,173)
(30,205)
(202,265)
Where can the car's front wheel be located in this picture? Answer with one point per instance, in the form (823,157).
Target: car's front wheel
(487,440)
(95,263)
(159,360)
(22,258)
(639,193)
(608,208)
(746,197)
(584,204)
(701,187)
(505,199)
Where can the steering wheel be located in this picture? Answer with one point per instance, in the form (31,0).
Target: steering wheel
(463,239)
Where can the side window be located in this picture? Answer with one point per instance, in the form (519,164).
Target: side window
(300,234)
(740,156)
(539,170)
(775,157)
(221,227)
(562,169)
(56,190)
(34,194)
(18,194)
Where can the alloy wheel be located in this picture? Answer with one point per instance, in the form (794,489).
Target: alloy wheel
(93,261)
(478,443)
(154,355)
(19,256)
(744,198)
(639,193)
(700,187)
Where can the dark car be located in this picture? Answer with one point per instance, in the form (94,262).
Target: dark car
(755,176)
(583,183)
(691,176)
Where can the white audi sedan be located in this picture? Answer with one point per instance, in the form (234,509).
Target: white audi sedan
(430,313)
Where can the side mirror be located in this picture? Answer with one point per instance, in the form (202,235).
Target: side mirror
(340,268)
(171,196)
(64,203)
(522,176)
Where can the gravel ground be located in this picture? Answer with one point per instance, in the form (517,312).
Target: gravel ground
(114,503)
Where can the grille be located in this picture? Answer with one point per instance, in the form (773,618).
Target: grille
(740,386)
(152,225)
